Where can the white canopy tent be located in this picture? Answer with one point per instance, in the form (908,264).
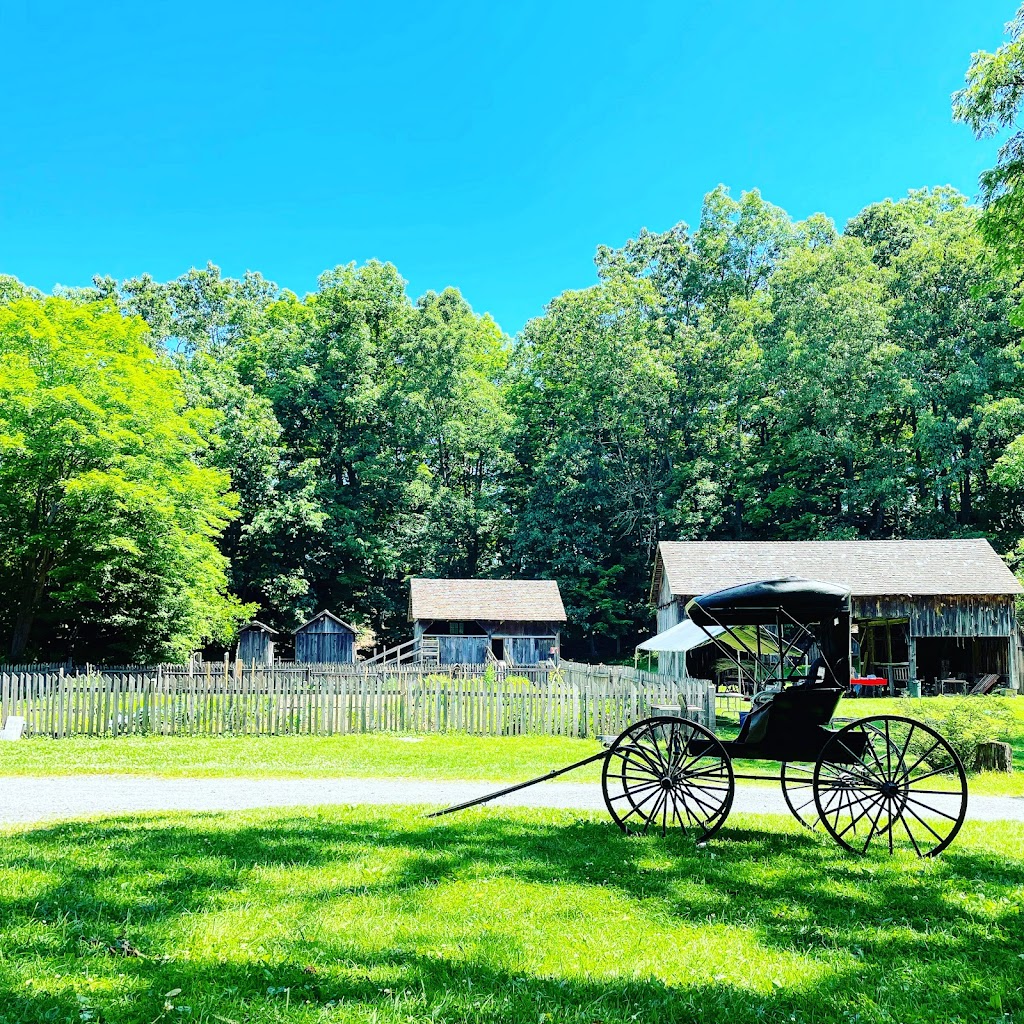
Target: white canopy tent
(684,636)
(680,638)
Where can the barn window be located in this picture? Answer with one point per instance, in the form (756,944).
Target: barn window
(456,628)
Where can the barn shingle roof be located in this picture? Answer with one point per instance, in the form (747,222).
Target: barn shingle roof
(493,600)
(870,568)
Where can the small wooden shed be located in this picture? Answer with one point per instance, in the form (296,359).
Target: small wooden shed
(325,640)
(470,622)
(256,644)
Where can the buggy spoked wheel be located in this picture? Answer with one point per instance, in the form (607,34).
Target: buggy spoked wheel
(798,792)
(890,781)
(668,773)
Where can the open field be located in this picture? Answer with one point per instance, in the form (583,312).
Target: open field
(381,915)
(447,756)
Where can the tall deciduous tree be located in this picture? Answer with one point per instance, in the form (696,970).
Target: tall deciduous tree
(109,520)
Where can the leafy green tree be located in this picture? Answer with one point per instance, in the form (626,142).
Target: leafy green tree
(593,391)
(821,441)
(450,388)
(109,518)
(990,104)
(949,307)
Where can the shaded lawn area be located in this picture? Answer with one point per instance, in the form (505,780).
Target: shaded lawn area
(528,916)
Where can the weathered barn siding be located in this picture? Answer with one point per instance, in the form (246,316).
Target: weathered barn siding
(670,609)
(943,616)
(324,648)
(462,650)
(325,640)
(524,643)
(529,650)
(927,617)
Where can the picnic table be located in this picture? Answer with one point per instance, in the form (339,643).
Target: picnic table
(872,681)
(732,701)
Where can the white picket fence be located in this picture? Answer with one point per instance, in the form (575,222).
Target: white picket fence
(217,699)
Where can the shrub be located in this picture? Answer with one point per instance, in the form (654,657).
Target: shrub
(966,722)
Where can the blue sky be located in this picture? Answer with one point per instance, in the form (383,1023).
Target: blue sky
(488,146)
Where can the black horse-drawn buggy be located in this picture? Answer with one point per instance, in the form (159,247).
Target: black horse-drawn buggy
(882,779)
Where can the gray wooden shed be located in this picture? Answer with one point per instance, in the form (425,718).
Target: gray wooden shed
(325,640)
(256,644)
(932,608)
(470,622)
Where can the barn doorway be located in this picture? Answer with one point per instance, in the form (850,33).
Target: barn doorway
(498,648)
(961,658)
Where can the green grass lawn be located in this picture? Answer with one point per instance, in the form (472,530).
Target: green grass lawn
(450,756)
(512,916)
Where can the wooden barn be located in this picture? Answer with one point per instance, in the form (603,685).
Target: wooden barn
(941,611)
(256,643)
(325,640)
(470,622)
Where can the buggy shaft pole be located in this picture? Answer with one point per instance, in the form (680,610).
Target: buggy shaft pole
(519,785)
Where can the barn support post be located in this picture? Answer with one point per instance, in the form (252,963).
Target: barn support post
(911,655)
(1012,661)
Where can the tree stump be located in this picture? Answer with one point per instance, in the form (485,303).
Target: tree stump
(994,757)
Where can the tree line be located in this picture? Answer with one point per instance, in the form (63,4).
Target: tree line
(176,456)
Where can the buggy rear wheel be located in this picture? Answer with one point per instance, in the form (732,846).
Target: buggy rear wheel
(798,792)
(891,781)
(665,773)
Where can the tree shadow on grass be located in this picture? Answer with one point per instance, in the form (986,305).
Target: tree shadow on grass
(953,926)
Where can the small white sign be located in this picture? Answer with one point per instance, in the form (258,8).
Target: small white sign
(14,728)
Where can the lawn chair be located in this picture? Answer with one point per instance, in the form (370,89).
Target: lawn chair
(899,679)
(984,684)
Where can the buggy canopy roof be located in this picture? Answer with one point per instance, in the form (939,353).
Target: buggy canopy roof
(760,604)
(686,635)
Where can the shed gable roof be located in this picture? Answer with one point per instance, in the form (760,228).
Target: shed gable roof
(255,626)
(869,568)
(325,614)
(491,600)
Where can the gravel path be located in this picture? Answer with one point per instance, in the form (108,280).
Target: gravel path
(26,799)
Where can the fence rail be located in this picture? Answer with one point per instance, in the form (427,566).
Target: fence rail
(219,699)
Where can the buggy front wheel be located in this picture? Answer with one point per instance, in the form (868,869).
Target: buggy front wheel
(666,773)
(890,781)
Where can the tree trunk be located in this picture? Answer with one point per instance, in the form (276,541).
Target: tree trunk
(28,607)
(21,632)
(994,757)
